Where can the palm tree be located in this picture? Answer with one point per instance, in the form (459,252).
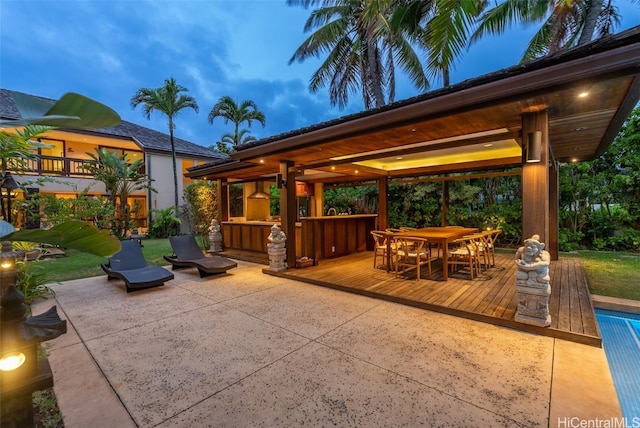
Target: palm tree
(565,23)
(441,27)
(362,49)
(229,110)
(167,99)
(121,179)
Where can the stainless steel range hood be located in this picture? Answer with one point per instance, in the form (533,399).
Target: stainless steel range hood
(259,193)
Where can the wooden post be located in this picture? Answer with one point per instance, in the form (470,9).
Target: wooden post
(552,244)
(445,203)
(383,203)
(288,210)
(535,179)
(222,194)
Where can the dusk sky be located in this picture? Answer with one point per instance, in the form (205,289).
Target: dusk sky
(107,50)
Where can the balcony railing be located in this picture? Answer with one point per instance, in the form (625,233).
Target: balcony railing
(58,166)
(61,167)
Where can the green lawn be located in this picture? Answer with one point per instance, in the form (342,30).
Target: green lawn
(612,274)
(77,265)
(608,273)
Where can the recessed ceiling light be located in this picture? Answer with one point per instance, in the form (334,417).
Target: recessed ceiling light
(399,158)
(261,160)
(488,145)
(581,128)
(583,94)
(333,168)
(357,171)
(413,129)
(574,160)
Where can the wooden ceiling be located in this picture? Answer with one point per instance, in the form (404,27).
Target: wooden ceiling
(475,125)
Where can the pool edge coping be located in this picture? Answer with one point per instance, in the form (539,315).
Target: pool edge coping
(615,304)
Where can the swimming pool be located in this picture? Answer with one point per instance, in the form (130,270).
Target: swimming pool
(621,340)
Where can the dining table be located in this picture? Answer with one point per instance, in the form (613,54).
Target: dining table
(442,236)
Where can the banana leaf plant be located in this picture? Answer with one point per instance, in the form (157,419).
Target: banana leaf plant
(75,234)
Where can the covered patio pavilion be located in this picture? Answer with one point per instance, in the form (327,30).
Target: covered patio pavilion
(563,108)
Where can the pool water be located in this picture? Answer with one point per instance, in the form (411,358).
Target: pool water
(621,341)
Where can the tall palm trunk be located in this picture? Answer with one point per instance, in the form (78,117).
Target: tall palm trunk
(175,166)
(374,73)
(593,11)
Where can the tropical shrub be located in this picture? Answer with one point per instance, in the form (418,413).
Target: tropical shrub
(354,200)
(31,281)
(49,210)
(164,223)
(201,208)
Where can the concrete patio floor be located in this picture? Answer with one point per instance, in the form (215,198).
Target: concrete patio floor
(249,349)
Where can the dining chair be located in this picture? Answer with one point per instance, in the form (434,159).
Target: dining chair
(380,247)
(412,253)
(491,237)
(464,253)
(481,243)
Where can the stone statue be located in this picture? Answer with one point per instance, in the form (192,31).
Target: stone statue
(276,249)
(215,237)
(533,283)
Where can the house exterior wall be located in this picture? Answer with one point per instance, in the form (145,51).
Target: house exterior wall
(160,170)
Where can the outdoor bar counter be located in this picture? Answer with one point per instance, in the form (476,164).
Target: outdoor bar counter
(339,235)
(316,237)
(251,235)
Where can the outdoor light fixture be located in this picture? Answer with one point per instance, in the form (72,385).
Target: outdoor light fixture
(534,147)
(12,361)
(8,270)
(21,372)
(8,183)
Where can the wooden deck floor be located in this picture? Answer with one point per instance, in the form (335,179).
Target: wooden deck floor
(490,298)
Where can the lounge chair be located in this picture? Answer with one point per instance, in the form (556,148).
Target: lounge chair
(129,265)
(188,254)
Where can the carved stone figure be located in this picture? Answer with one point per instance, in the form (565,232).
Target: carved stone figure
(533,283)
(215,237)
(276,249)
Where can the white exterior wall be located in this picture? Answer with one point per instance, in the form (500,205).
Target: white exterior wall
(160,169)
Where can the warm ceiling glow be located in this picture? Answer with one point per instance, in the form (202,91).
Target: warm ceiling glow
(473,153)
(333,168)
(426,143)
(583,94)
(261,160)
